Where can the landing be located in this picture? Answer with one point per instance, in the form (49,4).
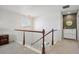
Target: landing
(64,47)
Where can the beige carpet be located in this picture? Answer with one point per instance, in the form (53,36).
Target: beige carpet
(15,48)
(64,47)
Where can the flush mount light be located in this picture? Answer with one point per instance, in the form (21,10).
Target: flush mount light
(69,23)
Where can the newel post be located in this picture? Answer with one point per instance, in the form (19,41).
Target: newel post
(52,36)
(23,37)
(43,45)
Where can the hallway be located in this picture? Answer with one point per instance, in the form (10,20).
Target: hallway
(64,47)
(17,19)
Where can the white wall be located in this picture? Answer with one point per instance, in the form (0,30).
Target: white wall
(78,24)
(9,21)
(49,17)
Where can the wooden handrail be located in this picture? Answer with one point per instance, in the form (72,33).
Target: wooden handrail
(28,30)
(41,37)
(43,33)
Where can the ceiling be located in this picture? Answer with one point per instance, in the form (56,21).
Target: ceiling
(33,9)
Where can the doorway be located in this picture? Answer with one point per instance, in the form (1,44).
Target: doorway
(70,26)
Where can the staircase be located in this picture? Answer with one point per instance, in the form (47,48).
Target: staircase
(42,38)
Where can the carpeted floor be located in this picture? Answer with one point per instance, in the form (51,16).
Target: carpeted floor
(64,47)
(61,47)
(15,48)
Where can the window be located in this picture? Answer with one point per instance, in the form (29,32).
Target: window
(25,21)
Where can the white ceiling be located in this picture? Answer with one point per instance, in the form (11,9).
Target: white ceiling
(71,9)
(33,9)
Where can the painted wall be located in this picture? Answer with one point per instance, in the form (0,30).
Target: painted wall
(78,24)
(9,21)
(49,17)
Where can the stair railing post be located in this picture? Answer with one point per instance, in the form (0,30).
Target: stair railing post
(43,45)
(23,37)
(52,36)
